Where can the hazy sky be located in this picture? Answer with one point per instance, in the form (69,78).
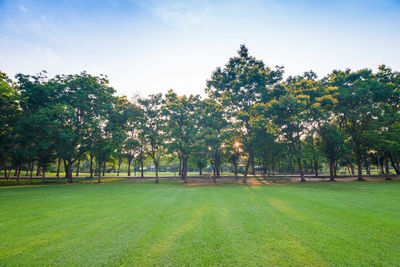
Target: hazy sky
(150,46)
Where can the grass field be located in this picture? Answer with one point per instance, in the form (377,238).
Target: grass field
(145,224)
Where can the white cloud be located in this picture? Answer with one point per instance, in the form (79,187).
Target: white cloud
(23,8)
(34,26)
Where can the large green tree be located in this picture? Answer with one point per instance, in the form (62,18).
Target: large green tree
(363,99)
(331,144)
(131,147)
(182,114)
(213,132)
(37,129)
(153,127)
(9,115)
(83,101)
(240,85)
(297,109)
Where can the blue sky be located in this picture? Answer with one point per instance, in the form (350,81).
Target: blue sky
(150,46)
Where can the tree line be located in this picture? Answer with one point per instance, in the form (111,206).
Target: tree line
(251,116)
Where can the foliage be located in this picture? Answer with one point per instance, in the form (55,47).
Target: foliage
(251,119)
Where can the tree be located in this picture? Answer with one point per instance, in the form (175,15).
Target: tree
(153,127)
(213,131)
(109,138)
(296,110)
(182,114)
(385,133)
(233,147)
(9,115)
(134,122)
(37,128)
(331,145)
(82,101)
(199,154)
(361,98)
(266,141)
(238,87)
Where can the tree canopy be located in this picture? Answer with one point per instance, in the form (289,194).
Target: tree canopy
(252,118)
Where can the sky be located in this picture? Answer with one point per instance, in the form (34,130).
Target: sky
(147,47)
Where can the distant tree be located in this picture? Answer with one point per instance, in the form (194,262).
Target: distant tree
(383,132)
(213,131)
(360,104)
(265,143)
(9,115)
(133,128)
(331,145)
(153,127)
(232,147)
(298,110)
(182,123)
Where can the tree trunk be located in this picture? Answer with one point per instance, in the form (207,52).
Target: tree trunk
(77,168)
(31,170)
(141,164)
(134,167)
(18,172)
(68,170)
(335,163)
(352,169)
(215,179)
(331,171)
(58,168)
(43,174)
(359,171)
(91,166)
(99,173)
(359,165)
(396,168)
(119,165)
(350,165)
(104,168)
(273,171)
(5,170)
(235,165)
(38,170)
(253,172)
(387,171)
(129,166)
(366,163)
(316,166)
(9,171)
(156,166)
(28,168)
(291,165)
(217,165)
(180,166)
(246,171)
(184,169)
(302,179)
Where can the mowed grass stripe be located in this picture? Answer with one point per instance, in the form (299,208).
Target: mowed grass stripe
(144,224)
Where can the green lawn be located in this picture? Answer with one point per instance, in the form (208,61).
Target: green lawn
(145,224)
